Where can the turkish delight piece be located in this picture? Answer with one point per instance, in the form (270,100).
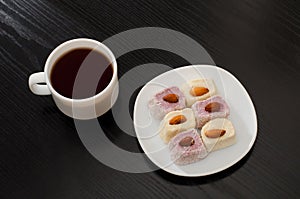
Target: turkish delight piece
(211,108)
(187,147)
(198,90)
(169,99)
(217,134)
(176,122)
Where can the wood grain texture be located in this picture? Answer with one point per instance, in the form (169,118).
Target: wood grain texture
(41,153)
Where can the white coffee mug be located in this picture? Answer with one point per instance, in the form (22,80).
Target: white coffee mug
(86,108)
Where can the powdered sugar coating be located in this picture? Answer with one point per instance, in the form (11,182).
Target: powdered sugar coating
(182,155)
(159,107)
(202,116)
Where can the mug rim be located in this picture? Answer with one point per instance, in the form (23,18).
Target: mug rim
(50,57)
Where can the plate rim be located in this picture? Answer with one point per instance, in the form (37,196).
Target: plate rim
(216,170)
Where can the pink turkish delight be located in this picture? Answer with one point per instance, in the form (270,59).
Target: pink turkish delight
(213,107)
(187,147)
(169,99)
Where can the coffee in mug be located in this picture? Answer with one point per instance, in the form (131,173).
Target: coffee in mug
(67,68)
(81,75)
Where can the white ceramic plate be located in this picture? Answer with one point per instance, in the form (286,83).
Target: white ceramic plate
(242,115)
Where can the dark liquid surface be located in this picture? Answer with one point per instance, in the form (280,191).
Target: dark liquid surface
(81,73)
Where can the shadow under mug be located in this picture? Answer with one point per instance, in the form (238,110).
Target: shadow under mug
(86,108)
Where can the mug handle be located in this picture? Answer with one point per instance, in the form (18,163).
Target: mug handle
(34,85)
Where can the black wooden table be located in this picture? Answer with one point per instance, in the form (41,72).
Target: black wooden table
(41,153)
